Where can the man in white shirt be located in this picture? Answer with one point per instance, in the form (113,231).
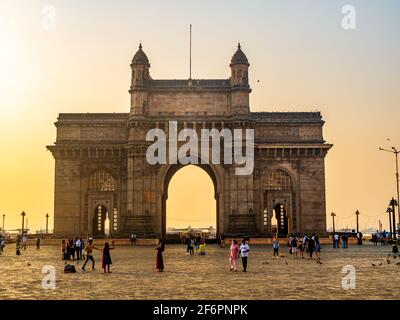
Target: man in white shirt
(78,245)
(24,241)
(244,253)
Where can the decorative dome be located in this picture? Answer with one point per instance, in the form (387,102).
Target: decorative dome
(239,57)
(140,57)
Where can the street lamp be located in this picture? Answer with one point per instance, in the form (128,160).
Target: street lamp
(357,214)
(394,203)
(23,214)
(389,211)
(47,223)
(333,215)
(396,153)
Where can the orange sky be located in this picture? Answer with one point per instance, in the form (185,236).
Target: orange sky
(303,59)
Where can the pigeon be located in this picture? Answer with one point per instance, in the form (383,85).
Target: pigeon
(318,261)
(283,256)
(265,262)
(388,261)
(28,263)
(398,264)
(286,263)
(381,263)
(374,265)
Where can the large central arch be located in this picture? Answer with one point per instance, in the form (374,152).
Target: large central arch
(169,172)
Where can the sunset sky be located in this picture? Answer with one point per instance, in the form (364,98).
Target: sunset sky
(303,58)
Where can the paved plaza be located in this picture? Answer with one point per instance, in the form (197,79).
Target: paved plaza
(202,277)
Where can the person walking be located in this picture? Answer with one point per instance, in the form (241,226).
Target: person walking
(72,248)
(159,258)
(233,255)
(89,254)
(106,260)
(275,246)
(244,252)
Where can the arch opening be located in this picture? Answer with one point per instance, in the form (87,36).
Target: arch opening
(190,202)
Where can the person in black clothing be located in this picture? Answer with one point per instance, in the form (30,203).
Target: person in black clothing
(106,261)
(311,246)
(159,259)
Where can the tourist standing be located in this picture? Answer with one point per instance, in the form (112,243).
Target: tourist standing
(63,250)
(191,246)
(311,246)
(24,241)
(18,248)
(198,239)
(72,248)
(78,248)
(300,248)
(82,248)
(2,243)
(345,239)
(294,244)
(244,252)
(37,243)
(359,238)
(222,240)
(317,246)
(234,255)
(89,253)
(159,258)
(275,246)
(106,261)
(336,240)
(202,248)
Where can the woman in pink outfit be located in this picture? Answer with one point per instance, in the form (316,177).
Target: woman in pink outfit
(234,255)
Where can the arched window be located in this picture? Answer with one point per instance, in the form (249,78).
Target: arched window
(102,180)
(278,180)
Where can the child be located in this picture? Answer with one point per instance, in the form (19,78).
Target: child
(106,261)
(202,248)
(275,246)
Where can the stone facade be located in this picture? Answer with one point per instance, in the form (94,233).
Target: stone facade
(101,170)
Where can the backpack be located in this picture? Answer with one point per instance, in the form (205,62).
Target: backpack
(69,268)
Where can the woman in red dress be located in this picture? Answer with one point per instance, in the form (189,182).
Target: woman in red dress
(159,260)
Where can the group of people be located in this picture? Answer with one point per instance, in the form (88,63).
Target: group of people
(197,243)
(75,249)
(72,249)
(298,245)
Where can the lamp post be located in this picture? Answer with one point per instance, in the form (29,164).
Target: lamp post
(23,214)
(394,203)
(389,211)
(47,223)
(396,153)
(333,215)
(357,214)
